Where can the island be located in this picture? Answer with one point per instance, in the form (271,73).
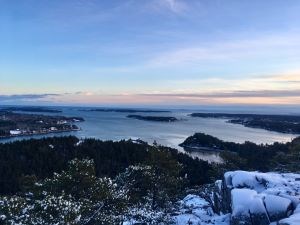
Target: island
(202,142)
(21,124)
(154,118)
(124,110)
(248,155)
(279,123)
(31,109)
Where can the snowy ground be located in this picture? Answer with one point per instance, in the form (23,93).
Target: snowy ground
(265,196)
(196,210)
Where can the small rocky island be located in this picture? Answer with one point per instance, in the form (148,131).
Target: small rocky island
(279,123)
(202,142)
(21,124)
(154,118)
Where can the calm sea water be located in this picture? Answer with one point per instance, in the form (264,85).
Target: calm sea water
(115,126)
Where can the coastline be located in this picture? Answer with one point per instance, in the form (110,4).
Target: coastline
(38,134)
(199,149)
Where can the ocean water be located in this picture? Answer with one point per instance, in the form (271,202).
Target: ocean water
(115,126)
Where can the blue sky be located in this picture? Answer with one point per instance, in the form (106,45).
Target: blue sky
(150,52)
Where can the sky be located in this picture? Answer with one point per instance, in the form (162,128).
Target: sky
(150,52)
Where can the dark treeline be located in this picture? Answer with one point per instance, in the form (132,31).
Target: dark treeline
(64,180)
(41,158)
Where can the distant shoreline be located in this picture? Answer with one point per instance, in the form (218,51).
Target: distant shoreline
(125,110)
(30,109)
(289,124)
(22,124)
(38,134)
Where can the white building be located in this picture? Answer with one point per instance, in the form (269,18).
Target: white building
(15,132)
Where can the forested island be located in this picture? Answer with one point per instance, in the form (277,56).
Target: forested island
(248,155)
(279,123)
(154,118)
(20,124)
(124,110)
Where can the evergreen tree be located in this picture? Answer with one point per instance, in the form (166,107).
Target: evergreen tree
(75,196)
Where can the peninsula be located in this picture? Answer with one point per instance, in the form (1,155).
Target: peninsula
(279,123)
(21,124)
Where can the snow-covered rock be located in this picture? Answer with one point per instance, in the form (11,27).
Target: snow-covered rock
(244,198)
(195,210)
(277,207)
(248,206)
(260,198)
(270,183)
(294,219)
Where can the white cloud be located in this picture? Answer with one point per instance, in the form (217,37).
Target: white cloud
(26,97)
(270,45)
(174,6)
(232,94)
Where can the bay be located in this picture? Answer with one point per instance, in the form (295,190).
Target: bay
(116,126)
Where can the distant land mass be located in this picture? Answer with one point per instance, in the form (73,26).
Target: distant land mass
(20,124)
(125,110)
(279,123)
(31,109)
(154,118)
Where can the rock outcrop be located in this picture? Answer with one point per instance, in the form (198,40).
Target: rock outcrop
(255,198)
(195,210)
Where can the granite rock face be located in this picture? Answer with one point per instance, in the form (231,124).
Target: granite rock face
(244,198)
(195,210)
(293,219)
(255,198)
